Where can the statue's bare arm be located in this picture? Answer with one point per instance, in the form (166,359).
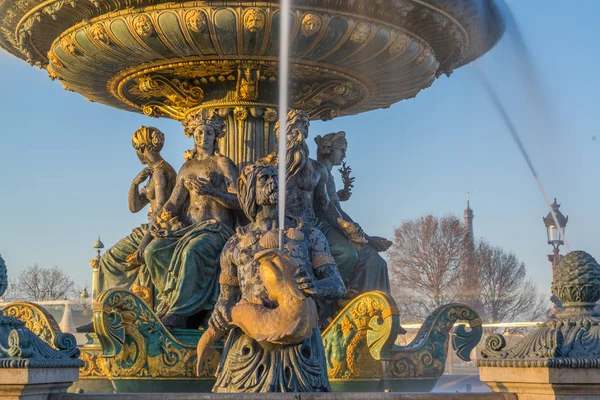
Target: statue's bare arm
(228,199)
(178,197)
(136,198)
(160,190)
(329,284)
(230,289)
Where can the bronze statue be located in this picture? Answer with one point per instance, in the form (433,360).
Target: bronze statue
(247,364)
(193,226)
(291,322)
(370,271)
(307,196)
(120,266)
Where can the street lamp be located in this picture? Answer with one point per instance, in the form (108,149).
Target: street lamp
(555,238)
(95,264)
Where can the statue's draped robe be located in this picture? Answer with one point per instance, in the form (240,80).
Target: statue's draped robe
(369,272)
(184,268)
(115,271)
(249,366)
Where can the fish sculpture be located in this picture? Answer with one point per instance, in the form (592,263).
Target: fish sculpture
(291,322)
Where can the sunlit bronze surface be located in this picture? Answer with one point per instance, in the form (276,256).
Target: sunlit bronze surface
(165,58)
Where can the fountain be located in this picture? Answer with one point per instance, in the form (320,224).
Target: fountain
(215,63)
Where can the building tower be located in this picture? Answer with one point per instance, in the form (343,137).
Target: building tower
(470,270)
(469,219)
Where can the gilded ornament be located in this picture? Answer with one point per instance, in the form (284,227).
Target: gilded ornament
(247,88)
(51,72)
(98,32)
(178,95)
(240,113)
(254,20)
(311,24)
(195,20)
(68,46)
(53,8)
(143,25)
(54,60)
(36,318)
(399,44)
(256,112)
(140,346)
(425,55)
(270,115)
(361,33)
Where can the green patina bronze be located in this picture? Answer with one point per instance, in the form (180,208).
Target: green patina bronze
(21,348)
(572,338)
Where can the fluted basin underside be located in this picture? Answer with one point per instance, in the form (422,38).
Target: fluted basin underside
(167,58)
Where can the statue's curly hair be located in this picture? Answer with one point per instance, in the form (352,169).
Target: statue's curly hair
(326,144)
(203,117)
(247,186)
(292,117)
(148,138)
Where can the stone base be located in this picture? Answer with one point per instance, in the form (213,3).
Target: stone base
(35,383)
(544,383)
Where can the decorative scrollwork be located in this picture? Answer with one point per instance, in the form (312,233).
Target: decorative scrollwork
(136,344)
(569,340)
(178,95)
(361,335)
(37,319)
(425,356)
(94,365)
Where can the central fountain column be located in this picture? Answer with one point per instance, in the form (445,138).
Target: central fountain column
(250,133)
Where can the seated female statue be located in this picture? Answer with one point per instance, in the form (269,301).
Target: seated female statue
(121,266)
(193,227)
(117,268)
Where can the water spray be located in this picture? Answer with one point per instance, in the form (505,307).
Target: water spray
(284,69)
(516,137)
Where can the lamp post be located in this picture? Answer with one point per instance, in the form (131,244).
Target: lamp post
(555,240)
(554,233)
(95,264)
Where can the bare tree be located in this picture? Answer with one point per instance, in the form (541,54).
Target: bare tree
(506,293)
(38,284)
(425,264)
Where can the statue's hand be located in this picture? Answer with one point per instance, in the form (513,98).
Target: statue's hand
(344,194)
(380,244)
(220,320)
(202,187)
(135,258)
(142,176)
(353,232)
(305,282)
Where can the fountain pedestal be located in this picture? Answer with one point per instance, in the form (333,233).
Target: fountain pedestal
(559,360)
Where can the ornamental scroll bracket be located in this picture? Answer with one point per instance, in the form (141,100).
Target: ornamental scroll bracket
(171,97)
(324,99)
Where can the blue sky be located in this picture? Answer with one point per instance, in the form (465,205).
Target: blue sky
(67,164)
